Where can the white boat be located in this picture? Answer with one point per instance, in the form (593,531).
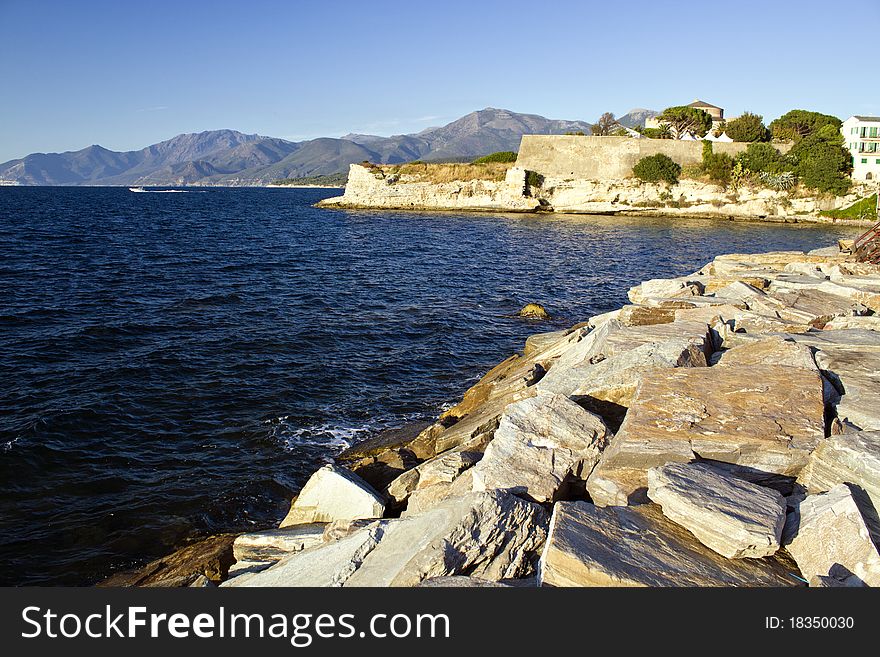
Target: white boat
(136,189)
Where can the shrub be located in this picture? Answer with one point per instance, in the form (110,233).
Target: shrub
(657,168)
(763,158)
(534,179)
(864,209)
(657,133)
(748,127)
(718,166)
(500,156)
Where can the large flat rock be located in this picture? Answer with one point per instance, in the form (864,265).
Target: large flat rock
(765,417)
(491,535)
(334,493)
(731,516)
(831,538)
(540,445)
(637,546)
(850,458)
(275,544)
(603,370)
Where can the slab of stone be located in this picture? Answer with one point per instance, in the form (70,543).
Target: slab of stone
(540,445)
(538,342)
(607,365)
(637,546)
(334,493)
(492,535)
(441,469)
(867,322)
(664,288)
(274,544)
(327,565)
(731,516)
(210,557)
(855,372)
(849,458)
(772,350)
(427,497)
(645,315)
(765,417)
(831,538)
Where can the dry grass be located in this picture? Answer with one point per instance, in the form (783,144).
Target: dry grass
(442,173)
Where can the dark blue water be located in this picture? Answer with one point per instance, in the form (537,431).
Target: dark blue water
(173,365)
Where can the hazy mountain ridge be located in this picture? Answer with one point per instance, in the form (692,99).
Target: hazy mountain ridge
(228,157)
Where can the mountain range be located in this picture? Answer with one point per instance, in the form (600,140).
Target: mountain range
(228,157)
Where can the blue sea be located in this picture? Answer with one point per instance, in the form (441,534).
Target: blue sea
(176,365)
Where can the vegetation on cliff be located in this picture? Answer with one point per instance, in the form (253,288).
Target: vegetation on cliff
(500,156)
(863,210)
(443,173)
(657,168)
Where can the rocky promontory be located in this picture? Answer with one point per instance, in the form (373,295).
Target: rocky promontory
(520,190)
(721,430)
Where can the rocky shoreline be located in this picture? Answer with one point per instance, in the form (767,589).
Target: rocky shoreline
(721,430)
(372,188)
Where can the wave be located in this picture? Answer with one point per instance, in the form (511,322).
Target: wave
(333,437)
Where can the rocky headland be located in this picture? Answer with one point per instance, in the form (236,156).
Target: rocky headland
(521,190)
(723,429)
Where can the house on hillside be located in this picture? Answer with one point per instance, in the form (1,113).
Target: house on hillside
(862,137)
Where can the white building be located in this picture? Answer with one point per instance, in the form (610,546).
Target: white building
(862,136)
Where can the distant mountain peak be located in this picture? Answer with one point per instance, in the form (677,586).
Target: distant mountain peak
(231,157)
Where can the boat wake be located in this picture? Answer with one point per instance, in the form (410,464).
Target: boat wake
(141,190)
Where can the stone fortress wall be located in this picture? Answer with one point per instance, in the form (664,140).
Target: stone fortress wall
(609,158)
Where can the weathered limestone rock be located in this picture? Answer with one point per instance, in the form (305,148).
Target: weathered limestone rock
(637,546)
(856,374)
(832,539)
(328,564)
(664,288)
(534,311)
(274,544)
(729,515)
(766,417)
(645,315)
(539,445)
(337,529)
(492,535)
(210,558)
(850,458)
(867,322)
(334,493)
(538,342)
(607,364)
(427,497)
(442,469)
(773,350)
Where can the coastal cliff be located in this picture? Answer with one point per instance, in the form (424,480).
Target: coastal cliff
(731,417)
(381,188)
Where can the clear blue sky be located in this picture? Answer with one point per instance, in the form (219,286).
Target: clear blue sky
(126,74)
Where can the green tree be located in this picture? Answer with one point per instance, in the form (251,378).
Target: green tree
(822,161)
(686,119)
(760,157)
(747,127)
(797,124)
(663,132)
(657,168)
(719,166)
(606,125)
